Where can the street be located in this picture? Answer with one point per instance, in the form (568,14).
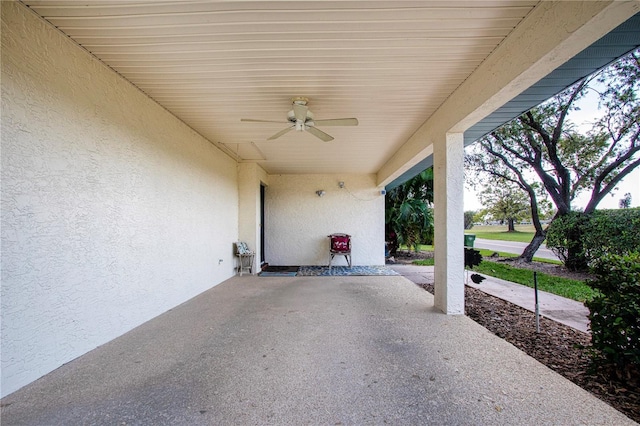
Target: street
(513,247)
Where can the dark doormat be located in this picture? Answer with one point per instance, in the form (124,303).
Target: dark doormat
(279,271)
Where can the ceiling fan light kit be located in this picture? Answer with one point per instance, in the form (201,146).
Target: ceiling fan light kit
(301,119)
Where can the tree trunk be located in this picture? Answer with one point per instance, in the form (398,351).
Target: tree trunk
(534,245)
(512,227)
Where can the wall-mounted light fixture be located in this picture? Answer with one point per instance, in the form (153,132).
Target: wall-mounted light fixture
(320,192)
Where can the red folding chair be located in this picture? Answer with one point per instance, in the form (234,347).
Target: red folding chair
(340,245)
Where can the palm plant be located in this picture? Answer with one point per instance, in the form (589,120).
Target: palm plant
(408,211)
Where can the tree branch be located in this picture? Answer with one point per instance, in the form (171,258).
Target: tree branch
(599,193)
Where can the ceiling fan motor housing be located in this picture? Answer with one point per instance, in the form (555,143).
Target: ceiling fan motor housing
(291,116)
(300,100)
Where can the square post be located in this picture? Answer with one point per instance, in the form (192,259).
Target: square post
(448,158)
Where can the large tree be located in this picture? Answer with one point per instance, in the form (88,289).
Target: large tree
(543,147)
(505,202)
(625,202)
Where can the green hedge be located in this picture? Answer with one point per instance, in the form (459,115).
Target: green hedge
(581,238)
(615,314)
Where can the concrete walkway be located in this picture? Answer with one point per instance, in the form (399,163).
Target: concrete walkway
(307,350)
(560,309)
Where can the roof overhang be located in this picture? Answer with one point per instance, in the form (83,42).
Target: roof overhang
(617,43)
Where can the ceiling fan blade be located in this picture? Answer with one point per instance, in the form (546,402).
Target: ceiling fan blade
(281,132)
(251,120)
(319,133)
(337,122)
(300,112)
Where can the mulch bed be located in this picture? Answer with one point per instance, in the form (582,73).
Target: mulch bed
(559,347)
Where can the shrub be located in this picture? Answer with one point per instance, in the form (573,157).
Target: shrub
(426,237)
(612,232)
(579,238)
(615,314)
(472,257)
(564,238)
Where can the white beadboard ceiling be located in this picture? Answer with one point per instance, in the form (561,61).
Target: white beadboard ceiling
(211,63)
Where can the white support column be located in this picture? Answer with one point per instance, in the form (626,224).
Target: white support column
(448,160)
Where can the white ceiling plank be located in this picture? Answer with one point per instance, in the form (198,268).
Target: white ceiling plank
(389,63)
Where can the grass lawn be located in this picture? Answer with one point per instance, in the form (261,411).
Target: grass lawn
(522,234)
(487,253)
(484,253)
(572,289)
(421,247)
(423,262)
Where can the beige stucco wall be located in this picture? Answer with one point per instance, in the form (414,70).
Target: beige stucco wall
(113,211)
(298,221)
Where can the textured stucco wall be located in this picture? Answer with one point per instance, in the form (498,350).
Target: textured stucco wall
(298,221)
(113,211)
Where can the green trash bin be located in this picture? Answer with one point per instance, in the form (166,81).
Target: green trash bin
(469,239)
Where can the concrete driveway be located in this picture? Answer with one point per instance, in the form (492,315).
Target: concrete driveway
(306,350)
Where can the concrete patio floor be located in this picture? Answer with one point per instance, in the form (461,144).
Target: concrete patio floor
(306,350)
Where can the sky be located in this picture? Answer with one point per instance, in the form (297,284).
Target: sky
(587,114)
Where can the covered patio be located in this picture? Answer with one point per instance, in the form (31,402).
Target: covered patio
(128,174)
(307,350)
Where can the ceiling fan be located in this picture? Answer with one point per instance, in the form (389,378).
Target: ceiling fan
(301,119)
